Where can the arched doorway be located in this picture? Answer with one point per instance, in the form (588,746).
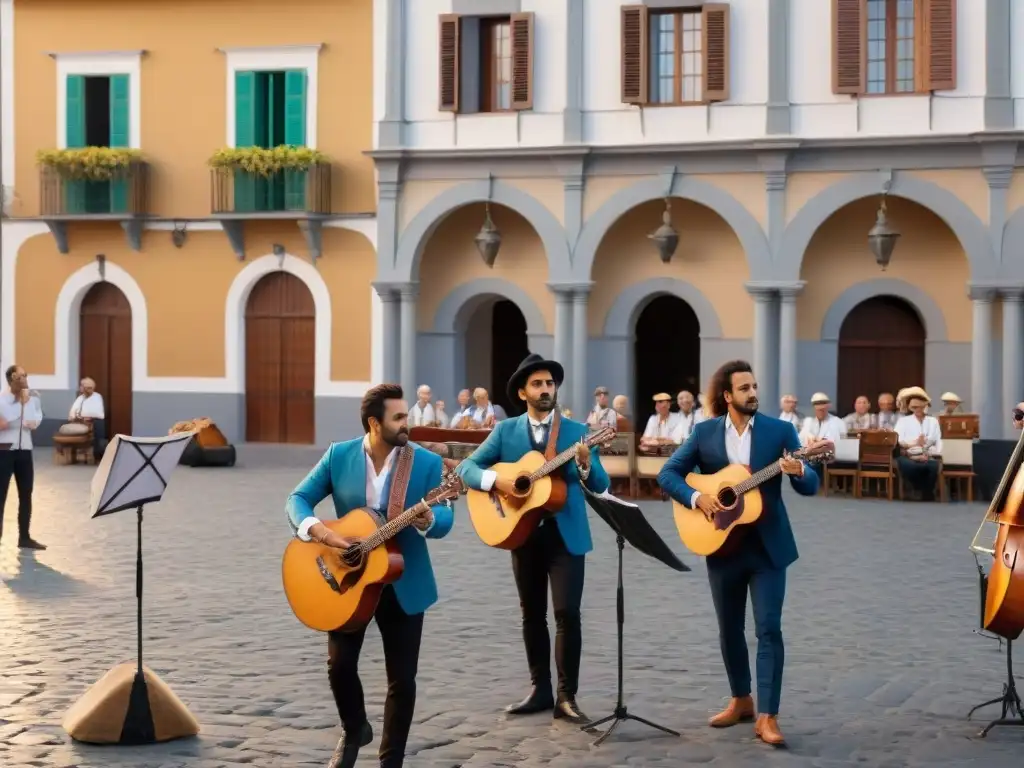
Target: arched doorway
(881,349)
(280,361)
(105,352)
(666,353)
(495,343)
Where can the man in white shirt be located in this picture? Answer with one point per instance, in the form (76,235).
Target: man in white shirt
(662,425)
(822,426)
(19,415)
(422,412)
(602,414)
(887,416)
(920,441)
(88,409)
(861,419)
(687,418)
(789,412)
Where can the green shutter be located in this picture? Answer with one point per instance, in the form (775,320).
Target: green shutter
(75,191)
(120,136)
(295,135)
(245,136)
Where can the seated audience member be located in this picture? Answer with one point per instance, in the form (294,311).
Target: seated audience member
(861,419)
(920,444)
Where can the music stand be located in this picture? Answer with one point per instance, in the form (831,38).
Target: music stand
(630,525)
(131,704)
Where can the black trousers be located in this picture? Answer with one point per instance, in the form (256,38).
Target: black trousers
(920,475)
(99,438)
(19,464)
(400,634)
(541,559)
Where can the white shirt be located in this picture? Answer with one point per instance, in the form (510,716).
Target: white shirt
(737,448)
(909,428)
(685,422)
(792,417)
(831,428)
(656,428)
(15,433)
(606,416)
(374,488)
(90,407)
(421,415)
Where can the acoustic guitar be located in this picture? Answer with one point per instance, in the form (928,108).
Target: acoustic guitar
(1004,596)
(506,521)
(737,490)
(334,589)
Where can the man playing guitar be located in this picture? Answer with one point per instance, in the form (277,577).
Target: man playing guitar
(556,550)
(384,472)
(756,556)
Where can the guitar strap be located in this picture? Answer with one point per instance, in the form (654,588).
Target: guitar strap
(551,449)
(400,481)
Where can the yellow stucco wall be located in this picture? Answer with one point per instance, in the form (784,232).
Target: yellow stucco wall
(184,85)
(185,292)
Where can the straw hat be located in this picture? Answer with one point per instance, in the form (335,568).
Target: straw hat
(950,397)
(662,396)
(820,398)
(912,393)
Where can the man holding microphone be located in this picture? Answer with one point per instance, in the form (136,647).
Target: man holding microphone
(20,414)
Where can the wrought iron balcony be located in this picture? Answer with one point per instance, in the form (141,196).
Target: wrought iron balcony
(283,194)
(123,196)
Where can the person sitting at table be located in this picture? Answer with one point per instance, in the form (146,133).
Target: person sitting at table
(920,440)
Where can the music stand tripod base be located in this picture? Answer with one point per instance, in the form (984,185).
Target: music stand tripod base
(1012,708)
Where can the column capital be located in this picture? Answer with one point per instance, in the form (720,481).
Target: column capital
(789,291)
(391,291)
(762,290)
(569,290)
(574,182)
(998,176)
(982,293)
(775,181)
(1012,293)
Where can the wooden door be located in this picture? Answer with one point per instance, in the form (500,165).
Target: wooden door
(881,349)
(105,352)
(666,354)
(509,346)
(280,361)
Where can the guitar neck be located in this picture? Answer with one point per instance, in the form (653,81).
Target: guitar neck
(392,528)
(758,478)
(550,466)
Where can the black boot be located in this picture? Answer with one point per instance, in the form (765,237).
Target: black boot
(567,710)
(30,543)
(347,751)
(539,700)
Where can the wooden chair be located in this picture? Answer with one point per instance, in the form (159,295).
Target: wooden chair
(843,469)
(875,461)
(958,468)
(619,461)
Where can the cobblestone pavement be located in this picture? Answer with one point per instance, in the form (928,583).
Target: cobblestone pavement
(882,665)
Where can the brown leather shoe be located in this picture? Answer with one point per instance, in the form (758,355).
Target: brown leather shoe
(740,710)
(767,730)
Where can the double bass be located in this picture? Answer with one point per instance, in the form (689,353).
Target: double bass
(1004,596)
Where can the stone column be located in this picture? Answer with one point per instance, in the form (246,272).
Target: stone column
(982,389)
(787,338)
(1013,374)
(407,371)
(563,333)
(580,339)
(389,130)
(765,318)
(390,305)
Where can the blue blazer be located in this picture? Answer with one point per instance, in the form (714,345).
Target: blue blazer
(704,451)
(510,440)
(341,474)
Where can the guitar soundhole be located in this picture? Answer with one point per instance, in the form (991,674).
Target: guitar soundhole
(727,498)
(352,557)
(522,484)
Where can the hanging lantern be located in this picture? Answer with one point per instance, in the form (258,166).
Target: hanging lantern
(882,238)
(665,237)
(488,239)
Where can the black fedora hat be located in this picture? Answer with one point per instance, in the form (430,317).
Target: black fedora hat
(531,363)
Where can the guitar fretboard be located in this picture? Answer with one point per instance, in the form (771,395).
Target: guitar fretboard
(392,528)
(765,474)
(548,467)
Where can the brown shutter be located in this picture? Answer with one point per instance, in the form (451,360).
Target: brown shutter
(448,62)
(522,60)
(634,54)
(715,51)
(849,46)
(940,44)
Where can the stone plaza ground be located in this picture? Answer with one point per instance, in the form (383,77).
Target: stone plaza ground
(882,661)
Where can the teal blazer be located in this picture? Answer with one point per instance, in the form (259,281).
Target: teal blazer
(704,451)
(341,474)
(510,441)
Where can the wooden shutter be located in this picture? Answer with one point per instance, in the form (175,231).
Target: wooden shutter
(75,108)
(940,44)
(448,62)
(522,60)
(634,54)
(120,114)
(295,107)
(849,46)
(715,51)
(245,109)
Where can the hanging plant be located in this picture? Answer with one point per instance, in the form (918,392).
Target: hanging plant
(259,161)
(90,163)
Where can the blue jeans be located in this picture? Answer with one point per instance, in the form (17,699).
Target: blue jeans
(731,576)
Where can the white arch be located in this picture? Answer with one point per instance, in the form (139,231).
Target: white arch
(234,324)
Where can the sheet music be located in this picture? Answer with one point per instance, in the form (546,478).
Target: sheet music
(135,470)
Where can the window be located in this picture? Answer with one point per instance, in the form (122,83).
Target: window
(96,115)
(893,46)
(270,111)
(675,57)
(485,63)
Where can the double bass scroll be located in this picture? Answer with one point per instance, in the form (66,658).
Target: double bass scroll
(1004,597)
